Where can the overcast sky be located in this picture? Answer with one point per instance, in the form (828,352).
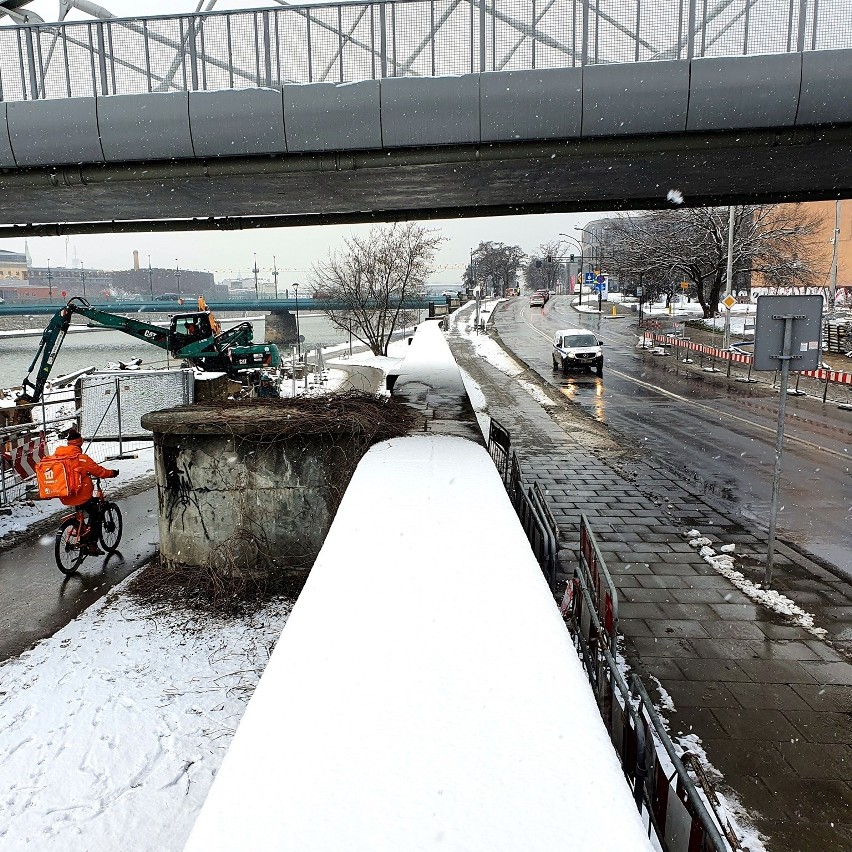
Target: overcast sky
(294,249)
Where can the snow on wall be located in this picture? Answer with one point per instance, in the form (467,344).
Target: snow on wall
(425,692)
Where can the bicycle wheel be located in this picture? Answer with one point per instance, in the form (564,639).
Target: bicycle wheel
(111,527)
(69,554)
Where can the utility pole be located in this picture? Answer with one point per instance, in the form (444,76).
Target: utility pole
(832,292)
(83,278)
(150,278)
(726,338)
(298,341)
(275,275)
(255,270)
(49,282)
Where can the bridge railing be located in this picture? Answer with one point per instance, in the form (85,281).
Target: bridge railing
(352,41)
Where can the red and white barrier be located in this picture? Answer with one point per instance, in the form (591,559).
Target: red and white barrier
(22,454)
(739,357)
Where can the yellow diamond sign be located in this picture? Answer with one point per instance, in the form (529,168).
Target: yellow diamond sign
(729,302)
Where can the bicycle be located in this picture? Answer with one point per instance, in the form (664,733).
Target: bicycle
(69,552)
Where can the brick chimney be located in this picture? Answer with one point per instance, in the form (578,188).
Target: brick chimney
(135,260)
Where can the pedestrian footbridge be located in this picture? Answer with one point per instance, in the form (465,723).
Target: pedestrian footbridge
(425,108)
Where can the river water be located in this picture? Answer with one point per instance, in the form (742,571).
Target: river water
(98,348)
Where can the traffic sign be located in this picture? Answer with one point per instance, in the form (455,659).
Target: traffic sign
(684,285)
(589,278)
(729,301)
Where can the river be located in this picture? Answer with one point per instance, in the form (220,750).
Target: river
(98,348)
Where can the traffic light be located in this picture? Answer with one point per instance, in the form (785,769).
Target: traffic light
(550,258)
(572,258)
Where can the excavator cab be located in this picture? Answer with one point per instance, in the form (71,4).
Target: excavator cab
(187,328)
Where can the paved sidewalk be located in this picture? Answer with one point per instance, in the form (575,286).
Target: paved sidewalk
(770,702)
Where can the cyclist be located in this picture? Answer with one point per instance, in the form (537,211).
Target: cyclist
(86,469)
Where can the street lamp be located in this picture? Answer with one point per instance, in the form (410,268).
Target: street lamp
(275,275)
(83,278)
(580,271)
(255,270)
(49,282)
(150,278)
(298,336)
(177,276)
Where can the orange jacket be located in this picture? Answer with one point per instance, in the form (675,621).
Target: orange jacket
(86,466)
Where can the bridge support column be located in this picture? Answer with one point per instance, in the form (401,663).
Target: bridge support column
(281,328)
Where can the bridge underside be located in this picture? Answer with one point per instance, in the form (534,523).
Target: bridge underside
(429,183)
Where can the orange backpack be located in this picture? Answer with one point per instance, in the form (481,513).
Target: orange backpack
(57,477)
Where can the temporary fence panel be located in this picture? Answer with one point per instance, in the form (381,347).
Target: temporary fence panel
(499,447)
(113,402)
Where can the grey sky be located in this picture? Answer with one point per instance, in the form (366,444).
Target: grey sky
(295,249)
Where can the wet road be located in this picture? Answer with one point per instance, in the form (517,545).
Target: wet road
(37,599)
(716,432)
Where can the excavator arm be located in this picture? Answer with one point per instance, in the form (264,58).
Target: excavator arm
(57,328)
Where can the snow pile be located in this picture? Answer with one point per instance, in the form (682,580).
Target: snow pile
(115,727)
(490,351)
(724,563)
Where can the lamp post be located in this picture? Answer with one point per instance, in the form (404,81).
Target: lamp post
(177,276)
(83,278)
(255,270)
(150,278)
(275,275)
(726,335)
(580,270)
(298,336)
(49,282)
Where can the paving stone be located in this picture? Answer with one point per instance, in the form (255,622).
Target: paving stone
(810,760)
(781,631)
(685,596)
(822,727)
(724,649)
(633,627)
(768,725)
(654,646)
(826,698)
(834,673)
(777,671)
(733,630)
(696,720)
(744,612)
(786,650)
(667,581)
(813,800)
(768,696)
(706,695)
(640,594)
(672,628)
(664,669)
(695,611)
(639,610)
(738,757)
(713,670)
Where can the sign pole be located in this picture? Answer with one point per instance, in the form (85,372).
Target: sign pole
(784,358)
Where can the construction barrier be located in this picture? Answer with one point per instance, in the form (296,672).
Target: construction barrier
(735,357)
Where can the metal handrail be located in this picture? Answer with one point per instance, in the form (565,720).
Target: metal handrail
(372,39)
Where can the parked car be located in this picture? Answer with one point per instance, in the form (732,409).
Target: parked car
(577,349)
(537,300)
(545,294)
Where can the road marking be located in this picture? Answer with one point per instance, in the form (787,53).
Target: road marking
(701,405)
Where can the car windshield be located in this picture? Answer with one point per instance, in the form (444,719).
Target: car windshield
(579,340)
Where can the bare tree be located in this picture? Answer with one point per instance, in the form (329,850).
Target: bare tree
(541,271)
(659,250)
(497,264)
(373,276)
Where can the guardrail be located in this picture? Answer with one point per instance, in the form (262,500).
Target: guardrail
(352,41)
(674,810)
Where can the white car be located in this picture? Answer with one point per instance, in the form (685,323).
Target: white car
(537,300)
(577,349)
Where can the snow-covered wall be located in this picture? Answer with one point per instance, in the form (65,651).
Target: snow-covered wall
(425,692)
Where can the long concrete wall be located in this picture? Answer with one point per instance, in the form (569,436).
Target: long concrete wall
(664,97)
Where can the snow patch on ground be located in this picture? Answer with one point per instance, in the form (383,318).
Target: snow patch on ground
(724,564)
(115,726)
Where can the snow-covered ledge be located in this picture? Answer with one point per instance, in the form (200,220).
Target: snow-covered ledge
(424,692)
(430,382)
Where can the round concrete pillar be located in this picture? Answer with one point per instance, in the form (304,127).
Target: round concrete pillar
(281,328)
(240,489)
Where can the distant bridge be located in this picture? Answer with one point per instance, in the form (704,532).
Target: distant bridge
(303,306)
(419,109)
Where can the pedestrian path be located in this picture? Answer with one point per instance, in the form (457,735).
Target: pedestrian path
(770,701)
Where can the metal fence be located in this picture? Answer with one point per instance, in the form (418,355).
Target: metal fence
(676,814)
(347,42)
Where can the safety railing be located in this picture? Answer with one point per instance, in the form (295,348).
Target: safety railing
(499,447)
(680,818)
(352,41)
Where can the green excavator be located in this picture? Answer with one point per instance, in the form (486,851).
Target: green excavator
(195,337)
